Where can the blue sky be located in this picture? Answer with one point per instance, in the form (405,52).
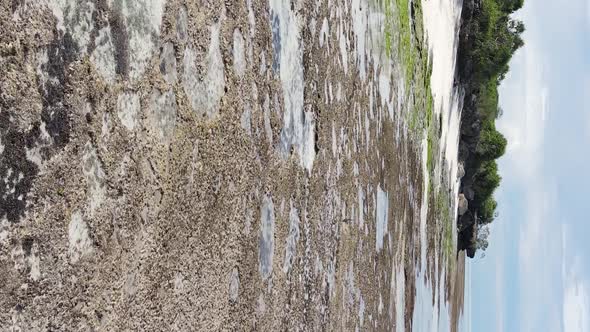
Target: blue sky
(536,273)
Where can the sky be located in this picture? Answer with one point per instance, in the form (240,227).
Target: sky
(535,275)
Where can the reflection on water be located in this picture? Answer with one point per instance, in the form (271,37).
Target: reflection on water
(441,21)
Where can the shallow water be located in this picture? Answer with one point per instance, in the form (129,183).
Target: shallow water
(441,22)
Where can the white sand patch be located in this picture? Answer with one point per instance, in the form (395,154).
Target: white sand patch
(292,238)
(251,19)
(361,205)
(361,309)
(381,217)
(162,113)
(343,43)
(359,27)
(80,244)
(103,56)
(83,25)
(182,24)
(128,105)
(324,32)
(34,262)
(234,284)
(334,141)
(238,53)
(205,93)
(143,19)
(246,119)
(298,126)
(4,231)
(400,301)
(42,58)
(307,152)
(75,17)
(267,241)
(95,177)
(267,125)
(168,63)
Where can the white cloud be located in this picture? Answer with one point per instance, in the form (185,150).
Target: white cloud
(525,95)
(524,99)
(576,306)
(576,298)
(586,90)
(535,230)
(550,296)
(500,297)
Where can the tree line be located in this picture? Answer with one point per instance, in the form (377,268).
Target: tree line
(496,37)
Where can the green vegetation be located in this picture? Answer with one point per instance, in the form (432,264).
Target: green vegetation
(496,37)
(405,44)
(443,211)
(398,27)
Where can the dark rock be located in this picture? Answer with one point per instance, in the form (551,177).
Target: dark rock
(462,205)
(17,172)
(465,221)
(460,171)
(463,152)
(466,240)
(469,193)
(471,127)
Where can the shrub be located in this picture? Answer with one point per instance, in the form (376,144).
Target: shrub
(487,211)
(491,145)
(497,36)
